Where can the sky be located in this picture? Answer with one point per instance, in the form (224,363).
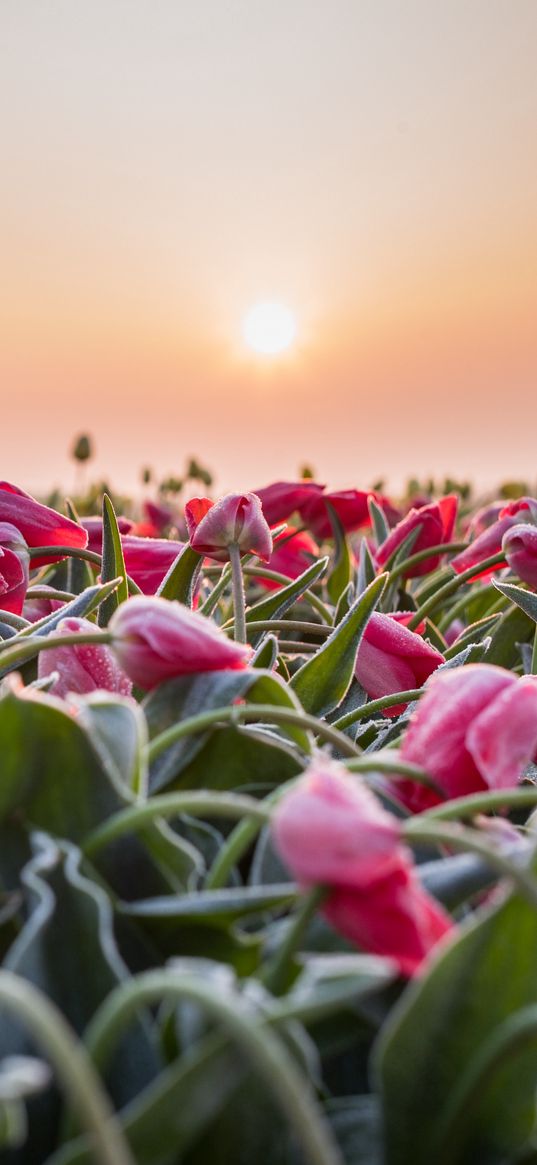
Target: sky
(370,164)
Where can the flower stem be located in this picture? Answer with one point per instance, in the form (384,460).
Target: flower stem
(417,830)
(74,1069)
(26,648)
(262,1047)
(277,972)
(237,586)
(375,706)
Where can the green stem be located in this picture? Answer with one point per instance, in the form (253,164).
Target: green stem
(166,805)
(49,593)
(276,975)
(275,576)
(77,552)
(422,555)
(375,706)
(481,803)
(15,621)
(450,587)
(33,644)
(245,714)
(262,1046)
(72,1065)
(211,601)
(459,608)
(534,655)
(320,629)
(237,586)
(417,830)
(388,761)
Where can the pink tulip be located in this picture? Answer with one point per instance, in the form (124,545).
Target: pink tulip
(350,505)
(82,667)
(293,552)
(38,524)
(474,729)
(283,498)
(14,569)
(520,548)
(392,659)
(156,640)
(489,541)
(330,830)
(435,523)
(236,519)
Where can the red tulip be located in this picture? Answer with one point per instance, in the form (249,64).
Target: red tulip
(350,505)
(283,498)
(435,523)
(14,569)
(474,729)
(520,548)
(489,541)
(293,552)
(148,560)
(392,659)
(155,640)
(330,830)
(38,524)
(236,519)
(82,667)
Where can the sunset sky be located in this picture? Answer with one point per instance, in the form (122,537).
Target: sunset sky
(369,164)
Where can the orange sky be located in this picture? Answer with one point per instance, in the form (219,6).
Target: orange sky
(370,163)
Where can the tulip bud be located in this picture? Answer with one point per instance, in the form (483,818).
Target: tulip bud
(155,640)
(519,545)
(330,830)
(391,659)
(435,523)
(14,568)
(82,667)
(235,520)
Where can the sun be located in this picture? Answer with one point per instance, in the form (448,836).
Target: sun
(269,328)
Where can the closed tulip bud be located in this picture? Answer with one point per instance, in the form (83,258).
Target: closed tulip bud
(38,524)
(392,659)
(520,548)
(474,729)
(434,523)
(14,569)
(490,540)
(155,640)
(235,520)
(331,831)
(82,667)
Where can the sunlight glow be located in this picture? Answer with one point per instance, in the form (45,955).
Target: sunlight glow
(269,328)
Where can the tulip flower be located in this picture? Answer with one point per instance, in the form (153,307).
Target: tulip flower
(82,667)
(490,540)
(330,830)
(519,545)
(14,569)
(293,552)
(435,523)
(155,640)
(475,728)
(350,505)
(235,520)
(392,659)
(283,498)
(38,524)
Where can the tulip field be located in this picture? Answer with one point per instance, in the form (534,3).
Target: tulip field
(268,812)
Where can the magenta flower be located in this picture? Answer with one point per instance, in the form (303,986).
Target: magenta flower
(38,524)
(392,659)
(293,552)
(350,505)
(283,498)
(330,830)
(474,729)
(236,519)
(14,569)
(155,640)
(490,540)
(435,523)
(82,667)
(519,545)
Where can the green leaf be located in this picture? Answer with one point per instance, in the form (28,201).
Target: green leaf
(513,627)
(118,732)
(526,600)
(381,528)
(341,572)
(180,581)
(323,681)
(215,907)
(344,603)
(439,1026)
(366,568)
(475,633)
(278,602)
(266,654)
(113,563)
